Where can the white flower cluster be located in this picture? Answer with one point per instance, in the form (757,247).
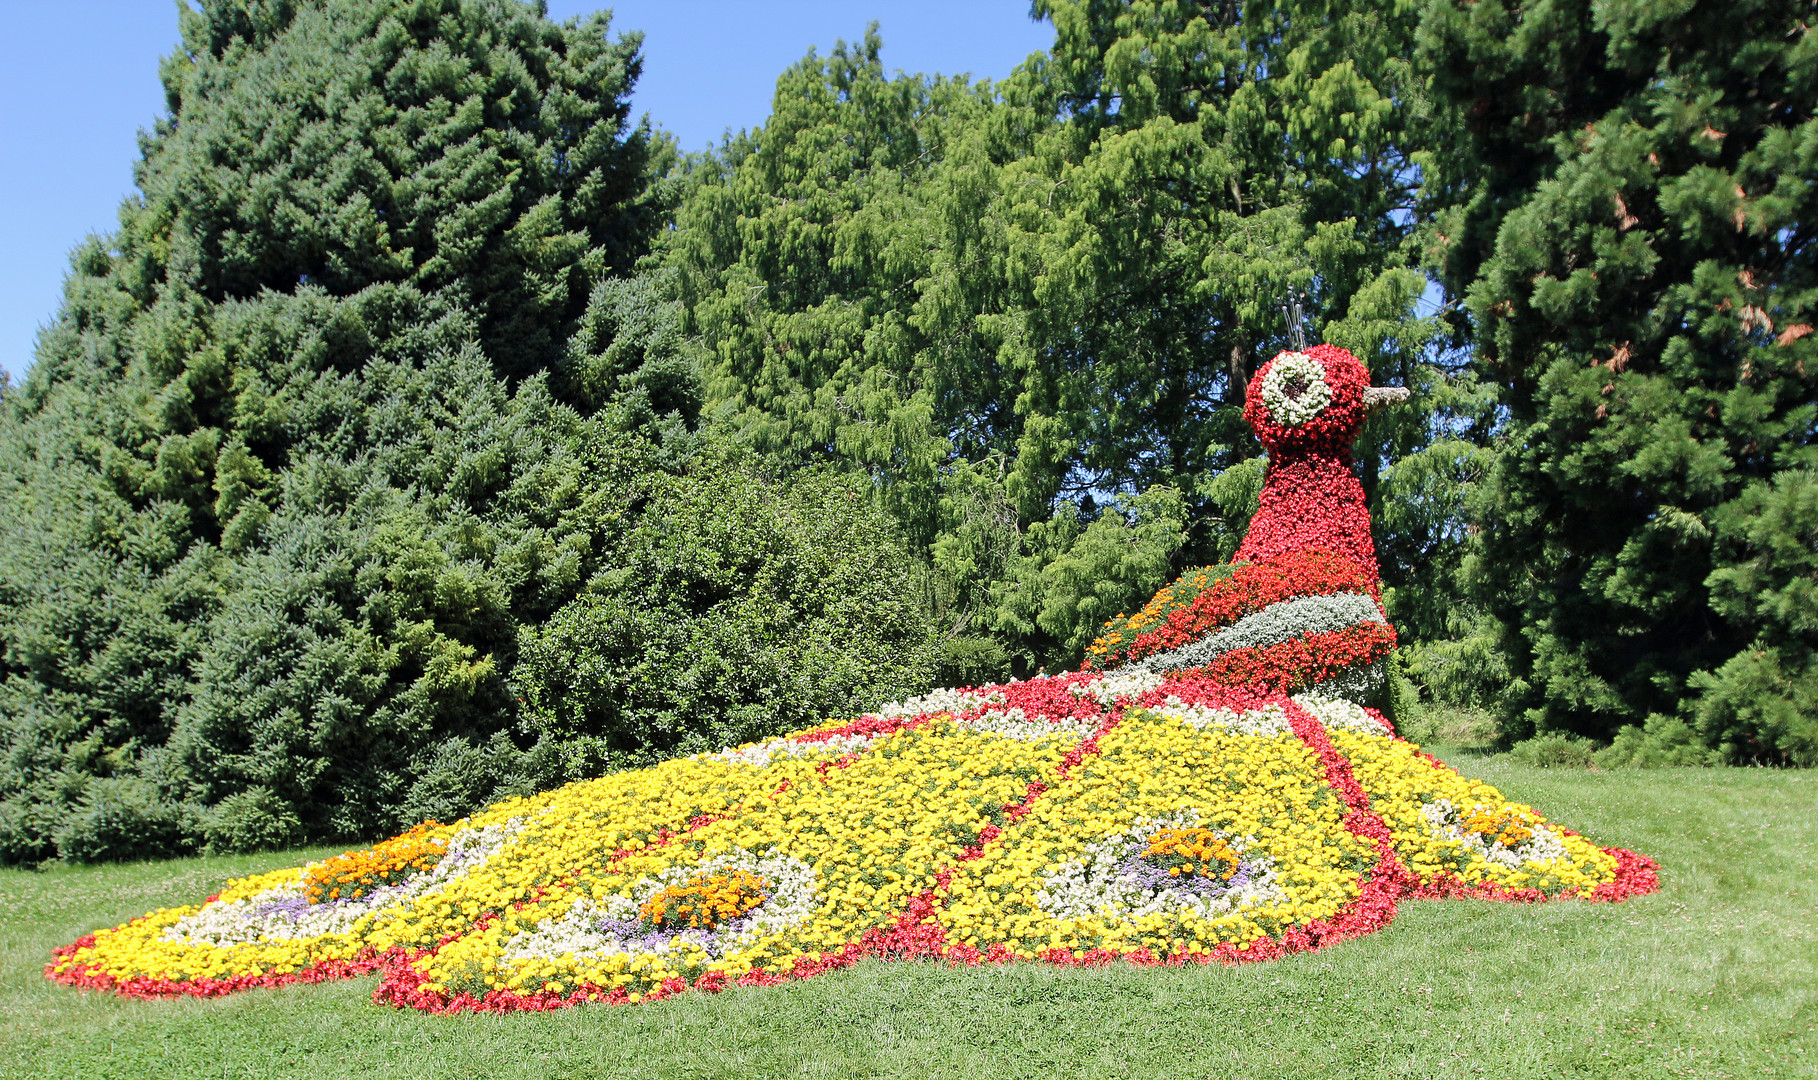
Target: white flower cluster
(603,928)
(1339,713)
(1269,720)
(1118,686)
(941,701)
(1446,823)
(1273,625)
(1013,723)
(761,754)
(1100,883)
(284,913)
(1315,394)
(1360,682)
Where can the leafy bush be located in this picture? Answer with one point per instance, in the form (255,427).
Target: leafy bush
(1663,742)
(972,660)
(1762,703)
(456,775)
(1076,573)
(120,817)
(1555,751)
(251,820)
(736,607)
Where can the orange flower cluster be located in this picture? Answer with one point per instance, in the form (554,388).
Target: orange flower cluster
(1505,826)
(1122,630)
(1199,851)
(353,875)
(704,902)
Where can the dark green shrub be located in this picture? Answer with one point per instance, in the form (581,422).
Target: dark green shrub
(457,775)
(1761,707)
(250,820)
(340,405)
(737,607)
(1402,697)
(1555,751)
(120,817)
(1663,742)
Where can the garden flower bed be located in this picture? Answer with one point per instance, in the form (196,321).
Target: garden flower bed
(1210,790)
(1154,818)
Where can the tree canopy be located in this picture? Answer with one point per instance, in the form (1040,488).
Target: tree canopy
(1632,227)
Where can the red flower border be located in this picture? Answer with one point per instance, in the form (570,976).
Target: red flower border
(1250,588)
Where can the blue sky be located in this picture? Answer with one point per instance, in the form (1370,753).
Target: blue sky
(81,80)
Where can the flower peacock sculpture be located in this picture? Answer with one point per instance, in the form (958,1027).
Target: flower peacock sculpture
(1216,786)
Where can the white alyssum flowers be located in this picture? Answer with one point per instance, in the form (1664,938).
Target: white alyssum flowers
(1100,884)
(1446,823)
(1269,720)
(1118,686)
(606,927)
(761,754)
(283,913)
(1290,371)
(1013,723)
(1341,714)
(941,701)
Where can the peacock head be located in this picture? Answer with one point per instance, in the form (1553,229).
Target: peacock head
(1313,401)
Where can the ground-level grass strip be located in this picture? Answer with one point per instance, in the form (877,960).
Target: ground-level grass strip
(1716,975)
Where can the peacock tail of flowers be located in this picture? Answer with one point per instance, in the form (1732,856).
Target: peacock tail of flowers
(1150,816)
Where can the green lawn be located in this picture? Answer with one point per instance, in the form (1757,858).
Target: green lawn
(1717,975)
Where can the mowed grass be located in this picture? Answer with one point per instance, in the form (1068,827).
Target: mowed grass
(1715,976)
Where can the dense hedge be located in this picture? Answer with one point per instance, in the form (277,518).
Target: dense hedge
(736,607)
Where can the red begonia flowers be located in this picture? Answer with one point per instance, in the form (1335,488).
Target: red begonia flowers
(1308,402)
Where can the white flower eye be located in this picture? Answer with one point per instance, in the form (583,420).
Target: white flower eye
(1295,389)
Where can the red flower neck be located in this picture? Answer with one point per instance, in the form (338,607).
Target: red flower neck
(1311,500)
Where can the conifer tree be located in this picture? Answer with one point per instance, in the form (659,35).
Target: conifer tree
(1630,211)
(360,389)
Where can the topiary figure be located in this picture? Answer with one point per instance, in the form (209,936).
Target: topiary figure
(1185,800)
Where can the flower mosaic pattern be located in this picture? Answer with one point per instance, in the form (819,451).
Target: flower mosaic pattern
(1172,804)
(1191,823)
(1121,877)
(661,915)
(1294,389)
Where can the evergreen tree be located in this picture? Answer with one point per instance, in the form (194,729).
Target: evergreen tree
(1630,213)
(358,392)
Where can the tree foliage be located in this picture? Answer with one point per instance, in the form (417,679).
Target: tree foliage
(1633,228)
(428,431)
(358,390)
(735,607)
(1014,304)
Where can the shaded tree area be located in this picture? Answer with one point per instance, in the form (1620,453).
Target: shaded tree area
(1630,219)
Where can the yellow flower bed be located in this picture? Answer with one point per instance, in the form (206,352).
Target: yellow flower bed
(875,835)
(1073,819)
(1265,793)
(1403,786)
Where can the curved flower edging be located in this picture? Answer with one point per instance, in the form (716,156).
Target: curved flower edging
(921,928)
